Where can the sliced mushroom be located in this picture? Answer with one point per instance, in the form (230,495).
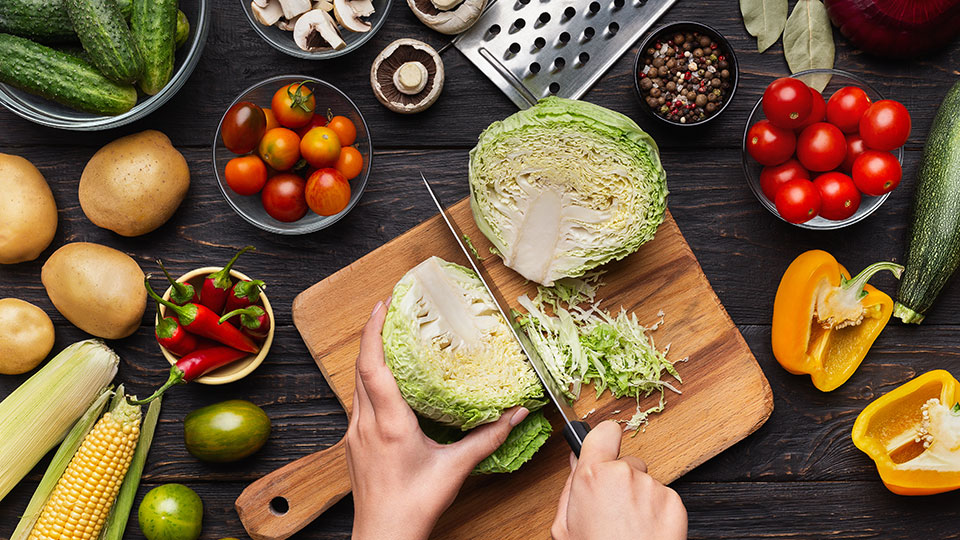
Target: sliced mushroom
(445,5)
(288,26)
(352,14)
(452,21)
(407,76)
(316,31)
(326,5)
(269,14)
(292,8)
(261,3)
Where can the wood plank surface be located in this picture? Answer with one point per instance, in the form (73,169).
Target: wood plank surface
(798,476)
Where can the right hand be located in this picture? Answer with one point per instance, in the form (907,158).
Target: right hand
(607,498)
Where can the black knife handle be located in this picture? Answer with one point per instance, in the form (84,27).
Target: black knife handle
(574,433)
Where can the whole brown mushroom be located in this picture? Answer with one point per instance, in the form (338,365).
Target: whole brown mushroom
(407,76)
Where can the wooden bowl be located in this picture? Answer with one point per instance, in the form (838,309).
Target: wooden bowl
(236,370)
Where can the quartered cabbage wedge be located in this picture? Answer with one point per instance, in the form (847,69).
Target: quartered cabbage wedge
(565,186)
(453,355)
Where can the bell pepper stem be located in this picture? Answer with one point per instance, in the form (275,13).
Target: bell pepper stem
(859,281)
(175,378)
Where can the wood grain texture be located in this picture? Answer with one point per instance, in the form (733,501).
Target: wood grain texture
(664,275)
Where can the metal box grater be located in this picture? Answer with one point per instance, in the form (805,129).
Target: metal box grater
(536,48)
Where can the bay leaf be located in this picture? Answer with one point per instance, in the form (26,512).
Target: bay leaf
(808,41)
(764,19)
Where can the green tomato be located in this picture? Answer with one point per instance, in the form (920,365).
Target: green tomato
(171,512)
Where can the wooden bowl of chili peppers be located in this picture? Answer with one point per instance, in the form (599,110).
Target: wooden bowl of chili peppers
(240,293)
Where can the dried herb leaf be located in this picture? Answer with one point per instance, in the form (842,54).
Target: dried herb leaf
(808,41)
(764,19)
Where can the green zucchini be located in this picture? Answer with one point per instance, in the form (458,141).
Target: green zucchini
(933,252)
(60,77)
(154,25)
(106,36)
(183,29)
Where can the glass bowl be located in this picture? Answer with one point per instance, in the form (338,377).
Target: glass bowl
(51,114)
(249,207)
(751,169)
(282,40)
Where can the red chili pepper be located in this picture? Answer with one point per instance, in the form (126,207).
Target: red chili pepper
(172,336)
(182,293)
(254,321)
(200,320)
(244,293)
(213,294)
(194,365)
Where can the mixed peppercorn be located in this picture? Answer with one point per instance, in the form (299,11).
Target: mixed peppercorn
(685,78)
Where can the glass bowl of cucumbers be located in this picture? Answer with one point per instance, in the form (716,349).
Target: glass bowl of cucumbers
(59,84)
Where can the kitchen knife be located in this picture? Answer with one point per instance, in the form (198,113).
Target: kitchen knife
(574,430)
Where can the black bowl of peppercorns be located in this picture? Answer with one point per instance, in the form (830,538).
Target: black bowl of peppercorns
(686,73)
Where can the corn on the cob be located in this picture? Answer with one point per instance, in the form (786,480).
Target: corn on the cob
(79,505)
(38,414)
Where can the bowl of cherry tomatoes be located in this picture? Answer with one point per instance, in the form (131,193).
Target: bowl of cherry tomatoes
(824,160)
(292,154)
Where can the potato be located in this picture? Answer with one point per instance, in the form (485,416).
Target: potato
(26,336)
(97,288)
(134,184)
(29,212)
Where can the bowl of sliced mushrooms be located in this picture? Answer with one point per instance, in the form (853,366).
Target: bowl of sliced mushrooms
(316,29)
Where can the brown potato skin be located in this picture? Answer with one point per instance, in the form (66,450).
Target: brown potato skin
(29,213)
(97,288)
(26,336)
(134,184)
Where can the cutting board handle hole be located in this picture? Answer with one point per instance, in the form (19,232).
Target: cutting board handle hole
(279,506)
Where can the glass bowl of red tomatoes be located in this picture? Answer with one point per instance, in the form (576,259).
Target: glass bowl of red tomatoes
(832,166)
(292,154)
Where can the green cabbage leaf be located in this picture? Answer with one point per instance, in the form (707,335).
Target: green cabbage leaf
(524,440)
(565,186)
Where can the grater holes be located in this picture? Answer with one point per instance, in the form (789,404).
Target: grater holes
(563,38)
(559,63)
(514,48)
(618,4)
(569,13)
(588,33)
(554,87)
(520,3)
(544,18)
(492,31)
(612,29)
(517,25)
(583,58)
(539,43)
(594,8)
(535,68)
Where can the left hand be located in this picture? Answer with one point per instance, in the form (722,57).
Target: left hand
(402,480)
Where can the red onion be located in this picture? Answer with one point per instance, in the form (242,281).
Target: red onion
(896,28)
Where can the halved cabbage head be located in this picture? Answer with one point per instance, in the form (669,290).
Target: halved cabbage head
(453,355)
(565,186)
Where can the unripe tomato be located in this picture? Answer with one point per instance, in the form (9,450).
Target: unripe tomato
(242,127)
(280,148)
(293,105)
(328,192)
(320,147)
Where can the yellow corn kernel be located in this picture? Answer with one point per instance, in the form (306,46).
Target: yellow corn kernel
(81,501)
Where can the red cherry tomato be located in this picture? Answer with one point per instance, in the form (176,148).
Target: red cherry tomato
(798,201)
(876,172)
(328,192)
(787,102)
(821,147)
(839,198)
(818,112)
(769,144)
(845,108)
(242,127)
(293,105)
(316,121)
(246,175)
(774,177)
(885,125)
(283,197)
(855,147)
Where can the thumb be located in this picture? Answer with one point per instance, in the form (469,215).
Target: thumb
(482,441)
(601,444)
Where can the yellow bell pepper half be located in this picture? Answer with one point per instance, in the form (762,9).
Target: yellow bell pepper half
(912,433)
(824,321)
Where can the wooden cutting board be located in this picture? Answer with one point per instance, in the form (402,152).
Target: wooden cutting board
(725,394)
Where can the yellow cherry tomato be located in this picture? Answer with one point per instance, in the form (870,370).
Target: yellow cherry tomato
(320,147)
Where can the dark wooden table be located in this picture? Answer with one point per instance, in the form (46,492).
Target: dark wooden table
(799,476)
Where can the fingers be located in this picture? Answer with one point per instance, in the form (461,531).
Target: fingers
(635,462)
(375,382)
(560,521)
(601,444)
(482,441)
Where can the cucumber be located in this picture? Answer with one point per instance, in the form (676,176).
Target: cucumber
(183,30)
(106,37)
(60,77)
(154,25)
(40,20)
(933,252)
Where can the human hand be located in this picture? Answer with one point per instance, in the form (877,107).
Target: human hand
(614,499)
(402,480)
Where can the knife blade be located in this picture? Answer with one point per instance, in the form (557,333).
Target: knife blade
(574,431)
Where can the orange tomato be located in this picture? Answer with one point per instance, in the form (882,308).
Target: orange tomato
(246,175)
(344,129)
(327,192)
(280,148)
(317,121)
(350,162)
(293,105)
(271,119)
(320,147)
